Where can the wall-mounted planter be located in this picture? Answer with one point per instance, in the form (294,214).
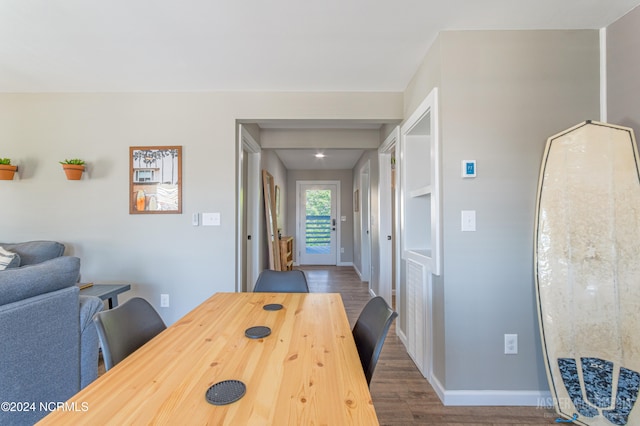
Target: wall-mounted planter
(73,171)
(7,171)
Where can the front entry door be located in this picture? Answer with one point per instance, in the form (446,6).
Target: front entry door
(317,224)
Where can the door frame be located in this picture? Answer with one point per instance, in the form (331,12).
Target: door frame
(386,225)
(299,184)
(365,224)
(247,145)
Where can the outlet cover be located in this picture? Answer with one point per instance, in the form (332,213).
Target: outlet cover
(510,344)
(164,300)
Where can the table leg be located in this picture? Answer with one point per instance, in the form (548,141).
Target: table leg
(113,302)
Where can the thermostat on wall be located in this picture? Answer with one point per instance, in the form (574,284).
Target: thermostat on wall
(468,168)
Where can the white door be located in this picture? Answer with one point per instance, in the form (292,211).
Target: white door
(386,223)
(248,196)
(317,223)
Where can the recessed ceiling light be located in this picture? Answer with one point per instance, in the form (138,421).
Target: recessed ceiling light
(319,155)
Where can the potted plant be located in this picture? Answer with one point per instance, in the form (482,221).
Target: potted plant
(73,168)
(6,169)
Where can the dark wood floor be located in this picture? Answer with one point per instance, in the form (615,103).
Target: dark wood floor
(400,394)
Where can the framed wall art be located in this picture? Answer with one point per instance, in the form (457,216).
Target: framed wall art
(155,179)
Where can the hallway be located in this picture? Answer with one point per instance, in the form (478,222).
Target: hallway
(400,394)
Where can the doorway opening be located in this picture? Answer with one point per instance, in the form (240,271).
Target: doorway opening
(317,208)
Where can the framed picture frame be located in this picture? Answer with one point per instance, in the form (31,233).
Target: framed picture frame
(155,180)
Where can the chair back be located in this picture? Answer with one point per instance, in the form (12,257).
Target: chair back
(370,332)
(124,329)
(281,282)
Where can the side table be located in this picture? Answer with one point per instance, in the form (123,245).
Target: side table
(108,292)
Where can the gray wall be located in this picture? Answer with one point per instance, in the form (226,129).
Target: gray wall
(502,94)
(155,253)
(623,69)
(346,204)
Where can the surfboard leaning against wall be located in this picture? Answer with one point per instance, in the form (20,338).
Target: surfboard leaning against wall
(587,259)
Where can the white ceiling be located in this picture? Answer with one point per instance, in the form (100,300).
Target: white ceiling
(304,159)
(207,45)
(254,45)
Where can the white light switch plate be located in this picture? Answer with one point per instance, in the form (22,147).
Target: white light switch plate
(468,220)
(210,219)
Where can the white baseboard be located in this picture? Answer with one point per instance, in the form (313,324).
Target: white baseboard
(485,397)
(401,335)
(490,397)
(358,272)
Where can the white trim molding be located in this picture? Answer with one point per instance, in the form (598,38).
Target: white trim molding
(492,398)
(603,75)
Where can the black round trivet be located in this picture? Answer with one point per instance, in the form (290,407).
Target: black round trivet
(272,307)
(225,392)
(257,332)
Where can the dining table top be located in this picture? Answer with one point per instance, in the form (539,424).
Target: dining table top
(306,371)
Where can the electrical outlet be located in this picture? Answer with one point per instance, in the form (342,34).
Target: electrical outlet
(164,300)
(510,344)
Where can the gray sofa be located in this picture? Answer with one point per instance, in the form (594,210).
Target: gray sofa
(48,343)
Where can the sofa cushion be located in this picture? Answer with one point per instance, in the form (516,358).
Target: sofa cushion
(28,281)
(8,259)
(32,252)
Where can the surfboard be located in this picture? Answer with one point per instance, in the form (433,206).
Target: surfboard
(587,260)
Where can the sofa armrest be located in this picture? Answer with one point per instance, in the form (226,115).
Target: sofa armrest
(40,352)
(89,306)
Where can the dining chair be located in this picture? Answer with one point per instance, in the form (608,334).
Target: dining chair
(370,332)
(124,329)
(281,282)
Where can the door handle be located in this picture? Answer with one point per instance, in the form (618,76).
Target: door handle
(333,224)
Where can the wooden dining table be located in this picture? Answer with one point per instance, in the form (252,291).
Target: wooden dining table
(306,372)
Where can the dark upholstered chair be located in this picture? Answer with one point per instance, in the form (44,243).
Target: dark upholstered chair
(281,282)
(370,332)
(125,328)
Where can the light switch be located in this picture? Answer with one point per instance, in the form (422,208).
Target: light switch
(210,219)
(343,218)
(468,220)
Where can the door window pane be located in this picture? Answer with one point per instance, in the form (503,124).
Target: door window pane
(318,221)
